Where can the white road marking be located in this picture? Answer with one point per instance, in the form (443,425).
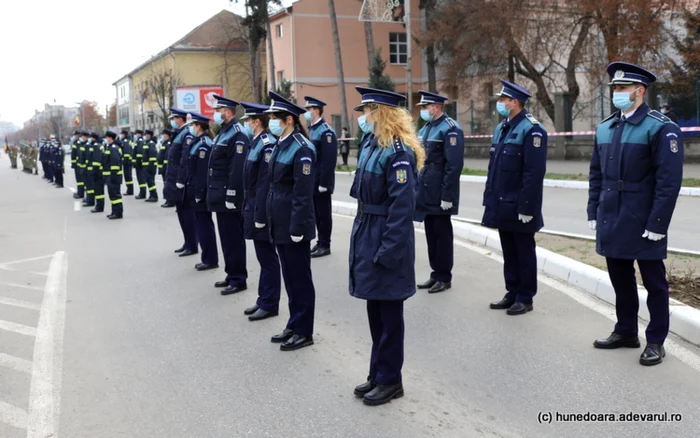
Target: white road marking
(13,415)
(44,396)
(673,347)
(23,286)
(76,205)
(15,363)
(17,328)
(18,303)
(31,259)
(72,189)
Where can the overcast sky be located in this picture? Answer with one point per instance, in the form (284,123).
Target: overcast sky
(70,50)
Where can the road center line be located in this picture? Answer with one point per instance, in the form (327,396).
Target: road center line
(18,303)
(44,396)
(15,363)
(13,415)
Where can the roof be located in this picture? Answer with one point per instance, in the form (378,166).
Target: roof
(284,11)
(220,32)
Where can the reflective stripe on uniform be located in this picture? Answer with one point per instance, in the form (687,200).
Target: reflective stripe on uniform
(115,167)
(90,192)
(96,164)
(120,173)
(81,184)
(116,201)
(129,183)
(143,185)
(99,197)
(106,173)
(152,188)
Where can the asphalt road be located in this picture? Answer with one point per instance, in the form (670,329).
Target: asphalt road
(565,210)
(150,349)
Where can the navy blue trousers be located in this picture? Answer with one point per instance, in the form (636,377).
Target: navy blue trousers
(270,281)
(187,225)
(519,265)
(58,176)
(323,209)
(207,237)
(230,225)
(624,281)
(440,238)
(295,259)
(141,180)
(49,171)
(387,328)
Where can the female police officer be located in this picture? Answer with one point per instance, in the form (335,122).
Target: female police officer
(256,183)
(196,190)
(290,218)
(382,243)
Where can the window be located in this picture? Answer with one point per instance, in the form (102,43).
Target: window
(279,30)
(280,77)
(398,48)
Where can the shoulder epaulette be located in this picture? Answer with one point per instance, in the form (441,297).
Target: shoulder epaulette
(398,145)
(609,117)
(532,119)
(300,139)
(326,127)
(267,140)
(237,127)
(658,116)
(450,122)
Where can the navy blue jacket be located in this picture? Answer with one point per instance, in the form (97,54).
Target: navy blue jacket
(226,168)
(635,177)
(163,155)
(256,182)
(514,184)
(197,169)
(382,243)
(326,143)
(443,140)
(365,142)
(138,158)
(177,165)
(150,156)
(290,206)
(112,164)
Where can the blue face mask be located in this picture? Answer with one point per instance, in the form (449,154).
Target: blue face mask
(247,130)
(425,115)
(308,116)
(218,118)
(173,124)
(501,108)
(275,127)
(191,130)
(621,100)
(364,126)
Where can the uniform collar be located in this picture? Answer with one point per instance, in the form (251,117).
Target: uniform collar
(318,123)
(438,120)
(515,120)
(638,115)
(286,141)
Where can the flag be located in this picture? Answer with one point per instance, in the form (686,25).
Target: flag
(76,122)
(6,141)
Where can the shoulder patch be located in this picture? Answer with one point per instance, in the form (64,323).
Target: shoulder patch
(532,119)
(306,168)
(537,141)
(202,153)
(398,145)
(188,140)
(658,116)
(239,148)
(401,176)
(329,137)
(268,155)
(674,146)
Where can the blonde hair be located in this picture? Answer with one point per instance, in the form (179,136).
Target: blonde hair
(390,122)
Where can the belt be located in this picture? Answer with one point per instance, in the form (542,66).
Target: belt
(434,166)
(623,186)
(374,210)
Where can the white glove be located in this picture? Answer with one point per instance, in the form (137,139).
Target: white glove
(179,186)
(322,189)
(445,205)
(197,200)
(297,239)
(653,236)
(259,225)
(592,225)
(230,205)
(524,219)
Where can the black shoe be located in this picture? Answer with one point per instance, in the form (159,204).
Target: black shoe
(505,303)
(361,390)
(59,187)
(314,248)
(382,394)
(230,290)
(222,283)
(152,200)
(129,194)
(653,355)
(186,253)
(519,308)
(439,286)
(179,250)
(296,342)
(97,210)
(114,216)
(427,285)
(617,341)
(203,266)
(282,337)
(261,314)
(320,252)
(168,204)
(76,196)
(251,310)
(139,197)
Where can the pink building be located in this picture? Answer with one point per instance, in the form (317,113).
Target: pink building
(304,53)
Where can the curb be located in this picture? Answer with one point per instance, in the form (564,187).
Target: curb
(558,183)
(684,319)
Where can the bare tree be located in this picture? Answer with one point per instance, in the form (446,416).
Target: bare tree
(57,121)
(160,88)
(234,36)
(369,40)
(339,63)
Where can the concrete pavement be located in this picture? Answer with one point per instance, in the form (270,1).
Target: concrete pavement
(152,350)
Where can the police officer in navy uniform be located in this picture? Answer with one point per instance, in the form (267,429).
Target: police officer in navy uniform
(635,177)
(324,139)
(112,166)
(150,165)
(196,190)
(382,243)
(438,187)
(290,218)
(139,164)
(225,195)
(513,195)
(165,140)
(173,188)
(367,129)
(256,180)
(127,147)
(59,162)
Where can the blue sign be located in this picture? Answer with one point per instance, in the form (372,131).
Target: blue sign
(188,98)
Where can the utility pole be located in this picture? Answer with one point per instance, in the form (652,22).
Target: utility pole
(697,102)
(409,74)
